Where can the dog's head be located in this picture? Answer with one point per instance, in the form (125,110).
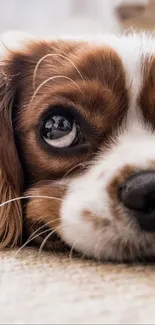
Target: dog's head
(77,136)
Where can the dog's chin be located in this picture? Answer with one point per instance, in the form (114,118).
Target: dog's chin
(119,250)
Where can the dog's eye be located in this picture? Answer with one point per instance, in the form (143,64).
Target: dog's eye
(60,131)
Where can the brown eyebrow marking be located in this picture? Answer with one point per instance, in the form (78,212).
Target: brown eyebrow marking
(146,100)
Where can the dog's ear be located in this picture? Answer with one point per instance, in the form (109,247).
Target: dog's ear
(11,175)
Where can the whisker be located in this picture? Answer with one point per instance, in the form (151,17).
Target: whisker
(71,169)
(116,79)
(44,225)
(97,246)
(30,197)
(71,251)
(50,79)
(28,241)
(49,55)
(51,233)
(85,255)
(48,236)
(32,237)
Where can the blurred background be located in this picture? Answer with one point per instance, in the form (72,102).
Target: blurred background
(56,17)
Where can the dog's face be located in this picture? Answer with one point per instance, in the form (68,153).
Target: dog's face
(78,137)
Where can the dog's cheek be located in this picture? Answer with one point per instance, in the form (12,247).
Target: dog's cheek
(42,211)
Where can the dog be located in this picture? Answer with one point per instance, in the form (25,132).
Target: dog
(77,144)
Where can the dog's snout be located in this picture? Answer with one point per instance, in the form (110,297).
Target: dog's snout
(137,193)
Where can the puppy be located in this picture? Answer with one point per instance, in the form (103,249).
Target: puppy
(77,139)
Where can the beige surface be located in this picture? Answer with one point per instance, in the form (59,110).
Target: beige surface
(53,289)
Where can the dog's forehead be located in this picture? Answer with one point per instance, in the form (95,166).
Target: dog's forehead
(121,63)
(84,73)
(97,55)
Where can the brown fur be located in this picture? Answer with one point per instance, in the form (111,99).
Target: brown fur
(98,222)
(147,95)
(11,177)
(46,210)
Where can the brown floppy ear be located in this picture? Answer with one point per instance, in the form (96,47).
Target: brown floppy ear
(11,176)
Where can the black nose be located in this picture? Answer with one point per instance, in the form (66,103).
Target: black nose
(138,195)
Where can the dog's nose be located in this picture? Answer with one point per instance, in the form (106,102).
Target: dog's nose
(138,195)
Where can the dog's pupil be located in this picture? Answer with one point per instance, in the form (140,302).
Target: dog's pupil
(57,126)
